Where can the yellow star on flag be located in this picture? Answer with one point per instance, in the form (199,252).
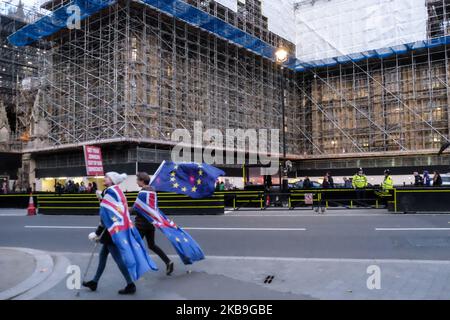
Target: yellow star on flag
(172,179)
(177,239)
(199,181)
(172,174)
(175,167)
(200,172)
(194,189)
(183,189)
(176,185)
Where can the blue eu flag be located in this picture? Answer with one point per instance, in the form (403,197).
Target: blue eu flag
(192,179)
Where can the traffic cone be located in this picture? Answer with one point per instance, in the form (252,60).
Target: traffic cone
(31,210)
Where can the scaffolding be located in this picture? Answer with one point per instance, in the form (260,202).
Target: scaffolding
(16,64)
(375,106)
(133,73)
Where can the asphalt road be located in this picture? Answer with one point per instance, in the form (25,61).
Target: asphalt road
(364,236)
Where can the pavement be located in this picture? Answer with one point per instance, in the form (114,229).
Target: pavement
(342,254)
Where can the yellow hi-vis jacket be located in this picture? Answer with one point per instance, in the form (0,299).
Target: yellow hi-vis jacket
(359,182)
(387,184)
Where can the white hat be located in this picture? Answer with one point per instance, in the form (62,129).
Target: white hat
(116,178)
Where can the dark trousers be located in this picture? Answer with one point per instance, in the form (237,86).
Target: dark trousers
(149,234)
(360,196)
(103,256)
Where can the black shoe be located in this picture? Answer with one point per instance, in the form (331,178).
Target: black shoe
(129,289)
(169,268)
(90,284)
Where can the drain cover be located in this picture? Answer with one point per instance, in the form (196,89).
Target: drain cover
(269,279)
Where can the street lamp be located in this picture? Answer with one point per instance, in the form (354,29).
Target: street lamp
(281,56)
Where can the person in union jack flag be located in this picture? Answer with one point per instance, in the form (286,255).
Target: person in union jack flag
(146,228)
(119,237)
(146,207)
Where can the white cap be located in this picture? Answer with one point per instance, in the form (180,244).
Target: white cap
(116,178)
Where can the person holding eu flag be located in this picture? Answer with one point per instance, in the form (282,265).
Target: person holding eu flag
(191,179)
(119,237)
(146,227)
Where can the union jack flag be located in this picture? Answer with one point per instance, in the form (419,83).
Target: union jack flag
(146,205)
(116,218)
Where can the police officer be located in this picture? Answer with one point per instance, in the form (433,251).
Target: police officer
(359,183)
(387,184)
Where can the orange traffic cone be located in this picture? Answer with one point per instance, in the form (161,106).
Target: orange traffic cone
(31,210)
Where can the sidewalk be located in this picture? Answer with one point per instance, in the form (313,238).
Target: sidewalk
(293,278)
(16,266)
(12,212)
(22,271)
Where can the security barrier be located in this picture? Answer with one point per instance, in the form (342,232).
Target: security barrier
(88,204)
(398,200)
(412,200)
(15,200)
(295,198)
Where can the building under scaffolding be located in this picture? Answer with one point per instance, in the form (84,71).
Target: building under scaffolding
(372,91)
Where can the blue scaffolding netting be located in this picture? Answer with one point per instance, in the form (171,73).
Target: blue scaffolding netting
(378,53)
(56,21)
(181,10)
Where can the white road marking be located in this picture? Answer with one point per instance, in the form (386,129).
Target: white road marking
(186,228)
(412,229)
(13,214)
(246,229)
(59,227)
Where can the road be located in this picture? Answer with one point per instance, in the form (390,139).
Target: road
(326,253)
(365,236)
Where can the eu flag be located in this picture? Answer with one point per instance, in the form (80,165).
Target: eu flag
(146,205)
(192,179)
(116,218)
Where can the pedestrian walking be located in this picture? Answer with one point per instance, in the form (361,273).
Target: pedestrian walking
(418,180)
(146,228)
(426,179)
(5,187)
(437,179)
(325,183)
(330,179)
(102,234)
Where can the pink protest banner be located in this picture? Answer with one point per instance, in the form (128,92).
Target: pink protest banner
(94,161)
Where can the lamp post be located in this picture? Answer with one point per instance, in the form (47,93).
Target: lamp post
(281,56)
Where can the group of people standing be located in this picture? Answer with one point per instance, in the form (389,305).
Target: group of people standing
(72,187)
(426,180)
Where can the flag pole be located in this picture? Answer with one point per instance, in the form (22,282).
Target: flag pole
(157,171)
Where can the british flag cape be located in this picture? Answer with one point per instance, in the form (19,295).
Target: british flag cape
(116,218)
(187,248)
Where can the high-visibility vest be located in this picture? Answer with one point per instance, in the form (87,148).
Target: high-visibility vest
(359,181)
(387,184)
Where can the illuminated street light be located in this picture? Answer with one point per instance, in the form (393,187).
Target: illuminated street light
(281,55)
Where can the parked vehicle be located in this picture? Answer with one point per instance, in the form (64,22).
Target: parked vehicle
(299,185)
(445,179)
